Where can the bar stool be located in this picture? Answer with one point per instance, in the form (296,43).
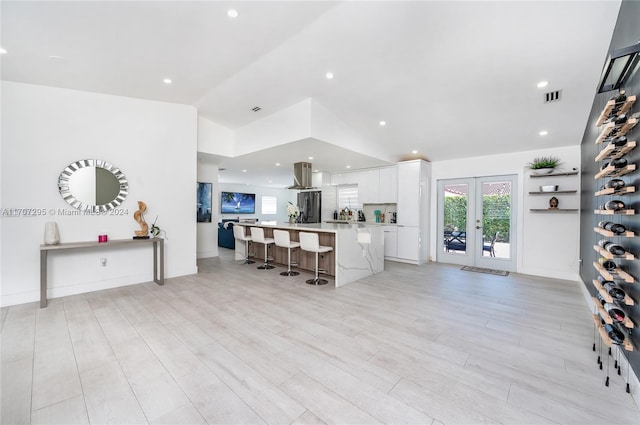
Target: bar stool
(238,234)
(283,240)
(257,235)
(310,242)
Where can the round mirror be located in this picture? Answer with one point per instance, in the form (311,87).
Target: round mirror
(93,185)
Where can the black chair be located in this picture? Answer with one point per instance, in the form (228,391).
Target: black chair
(489,246)
(457,241)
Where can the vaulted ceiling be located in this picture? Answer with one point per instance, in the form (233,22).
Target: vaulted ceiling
(449,78)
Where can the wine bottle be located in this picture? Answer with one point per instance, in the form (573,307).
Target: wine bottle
(619,141)
(615,228)
(616,163)
(615,184)
(613,332)
(617,120)
(612,248)
(614,205)
(607,264)
(620,97)
(614,290)
(615,312)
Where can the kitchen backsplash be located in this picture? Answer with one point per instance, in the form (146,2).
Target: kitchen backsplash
(385,209)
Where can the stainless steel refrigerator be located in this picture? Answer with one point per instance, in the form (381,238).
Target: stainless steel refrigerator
(310,204)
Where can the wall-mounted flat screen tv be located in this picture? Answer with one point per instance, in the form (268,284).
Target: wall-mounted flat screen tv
(237,203)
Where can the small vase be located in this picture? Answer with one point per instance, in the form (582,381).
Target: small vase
(51,234)
(292,220)
(543,171)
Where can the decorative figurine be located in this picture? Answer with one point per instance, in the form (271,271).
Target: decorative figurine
(553,203)
(143,233)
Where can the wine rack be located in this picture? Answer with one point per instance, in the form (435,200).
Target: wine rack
(608,108)
(619,325)
(608,298)
(610,129)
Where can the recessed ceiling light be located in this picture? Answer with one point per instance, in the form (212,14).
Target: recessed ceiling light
(244,171)
(414,151)
(383,123)
(55,57)
(543,84)
(277,164)
(2,51)
(348,166)
(232,13)
(329,75)
(167,81)
(315,171)
(543,133)
(270,181)
(310,157)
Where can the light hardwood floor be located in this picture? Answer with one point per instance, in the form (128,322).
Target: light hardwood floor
(237,345)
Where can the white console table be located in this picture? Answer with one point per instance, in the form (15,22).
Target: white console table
(158,258)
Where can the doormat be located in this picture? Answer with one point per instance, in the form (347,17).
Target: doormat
(488,271)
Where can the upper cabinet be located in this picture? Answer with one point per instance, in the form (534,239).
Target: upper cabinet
(375,186)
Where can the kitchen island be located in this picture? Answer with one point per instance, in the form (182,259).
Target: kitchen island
(358,249)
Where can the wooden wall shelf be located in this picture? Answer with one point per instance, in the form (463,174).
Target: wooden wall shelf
(611,191)
(555,174)
(608,298)
(627,323)
(610,234)
(553,210)
(609,275)
(621,130)
(626,105)
(612,171)
(551,193)
(609,212)
(605,338)
(610,152)
(609,256)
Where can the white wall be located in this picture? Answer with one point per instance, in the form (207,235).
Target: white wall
(43,130)
(547,244)
(214,138)
(207,239)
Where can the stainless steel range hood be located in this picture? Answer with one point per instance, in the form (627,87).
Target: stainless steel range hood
(301,176)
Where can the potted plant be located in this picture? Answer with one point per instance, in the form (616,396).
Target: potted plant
(544,164)
(293,212)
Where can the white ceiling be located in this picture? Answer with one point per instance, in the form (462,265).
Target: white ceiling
(451,79)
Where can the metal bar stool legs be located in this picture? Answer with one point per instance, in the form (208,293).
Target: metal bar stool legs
(282,239)
(310,242)
(257,235)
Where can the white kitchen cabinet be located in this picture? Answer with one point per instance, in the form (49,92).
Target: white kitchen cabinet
(388,187)
(390,241)
(369,186)
(408,244)
(413,210)
(409,193)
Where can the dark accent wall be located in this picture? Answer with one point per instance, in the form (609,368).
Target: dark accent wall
(626,33)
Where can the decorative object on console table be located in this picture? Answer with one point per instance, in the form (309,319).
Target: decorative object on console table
(138,216)
(156,231)
(51,234)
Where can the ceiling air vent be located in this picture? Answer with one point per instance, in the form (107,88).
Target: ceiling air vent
(552,96)
(256,109)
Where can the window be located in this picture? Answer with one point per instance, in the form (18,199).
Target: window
(348,197)
(269,205)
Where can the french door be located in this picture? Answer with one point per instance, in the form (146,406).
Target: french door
(476,222)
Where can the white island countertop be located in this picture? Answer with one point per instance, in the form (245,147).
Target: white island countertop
(358,250)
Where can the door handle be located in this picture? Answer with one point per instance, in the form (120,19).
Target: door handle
(478,227)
